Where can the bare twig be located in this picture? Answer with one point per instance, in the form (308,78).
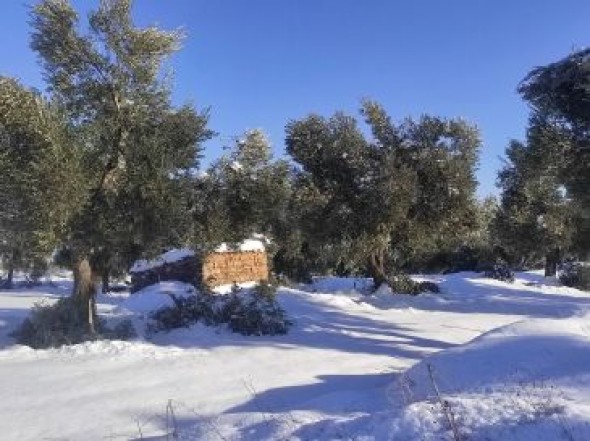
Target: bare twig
(171,422)
(446,407)
(210,422)
(139,429)
(566,428)
(405,386)
(249,386)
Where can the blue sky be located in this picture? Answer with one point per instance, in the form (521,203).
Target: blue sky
(260,63)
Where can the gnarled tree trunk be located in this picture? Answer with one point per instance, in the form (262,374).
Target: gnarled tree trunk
(376,268)
(10,275)
(8,283)
(551,261)
(84,293)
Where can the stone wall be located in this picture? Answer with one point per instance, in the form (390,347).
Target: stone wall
(214,269)
(235,267)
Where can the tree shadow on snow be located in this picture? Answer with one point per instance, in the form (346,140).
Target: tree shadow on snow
(266,415)
(473,293)
(10,319)
(320,326)
(331,394)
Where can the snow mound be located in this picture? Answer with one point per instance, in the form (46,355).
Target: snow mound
(526,381)
(117,348)
(155,297)
(549,349)
(383,290)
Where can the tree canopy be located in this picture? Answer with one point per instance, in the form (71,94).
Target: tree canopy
(136,150)
(560,91)
(380,197)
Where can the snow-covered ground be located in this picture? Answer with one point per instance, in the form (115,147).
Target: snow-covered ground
(512,362)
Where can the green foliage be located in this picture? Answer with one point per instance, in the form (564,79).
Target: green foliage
(472,251)
(575,274)
(500,271)
(185,312)
(52,326)
(243,193)
(248,312)
(465,257)
(34,155)
(265,291)
(535,215)
(136,151)
(106,162)
(377,200)
(403,284)
(63,258)
(103,166)
(299,255)
(560,91)
(429,287)
(257,312)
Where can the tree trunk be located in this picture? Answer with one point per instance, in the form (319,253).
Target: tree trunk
(9,276)
(11,264)
(105,281)
(8,283)
(84,294)
(375,268)
(551,261)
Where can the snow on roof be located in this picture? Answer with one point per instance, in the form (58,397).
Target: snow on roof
(171,256)
(253,244)
(257,242)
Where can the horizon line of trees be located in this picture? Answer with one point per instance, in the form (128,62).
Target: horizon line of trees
(105,169)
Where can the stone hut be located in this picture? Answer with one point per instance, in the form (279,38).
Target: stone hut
(245,262)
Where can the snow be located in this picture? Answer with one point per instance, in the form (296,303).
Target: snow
(254,244)
(226,289)
(529,380)
(155,297)
(512,360)
(171,256)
